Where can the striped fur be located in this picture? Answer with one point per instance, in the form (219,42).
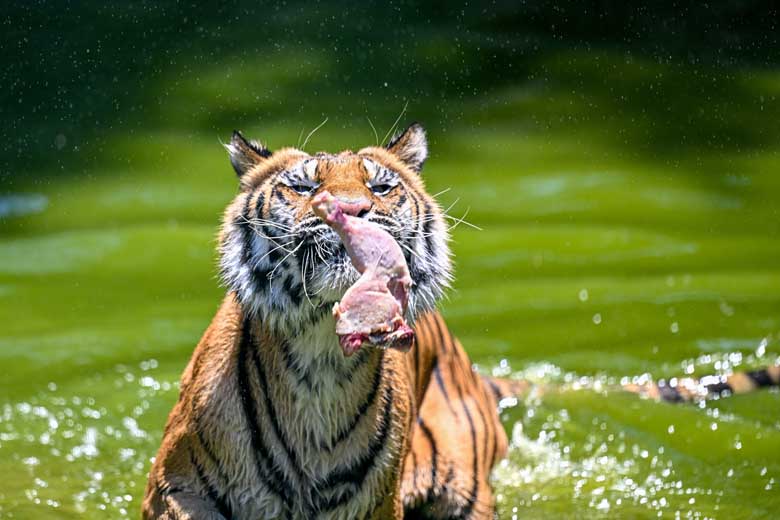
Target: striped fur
(273,421)
(688,389)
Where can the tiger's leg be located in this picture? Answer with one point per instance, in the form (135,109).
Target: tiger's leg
(189,494)
(455,443)
(179,505)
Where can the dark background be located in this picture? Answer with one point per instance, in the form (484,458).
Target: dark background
(86,70)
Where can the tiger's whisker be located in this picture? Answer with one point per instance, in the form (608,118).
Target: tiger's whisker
(263,222)
(271,274)
(415,253)
(303,147)
(280,246)
(445,190)
(445,211)
(306,259)
(462,220)
(269,223)
(376,136)
(392,128)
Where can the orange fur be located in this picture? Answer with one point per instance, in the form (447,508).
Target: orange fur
(274,421)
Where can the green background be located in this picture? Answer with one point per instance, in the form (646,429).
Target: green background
(621,161)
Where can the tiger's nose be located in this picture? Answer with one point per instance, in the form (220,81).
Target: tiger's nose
(357,207)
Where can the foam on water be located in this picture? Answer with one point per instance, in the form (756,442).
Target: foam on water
(104,448)
(600,469)
(87,453)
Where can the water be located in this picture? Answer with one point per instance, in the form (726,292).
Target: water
(609,250)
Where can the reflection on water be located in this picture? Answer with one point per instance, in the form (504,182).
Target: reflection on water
(18,205)
(102,452)
(601,467)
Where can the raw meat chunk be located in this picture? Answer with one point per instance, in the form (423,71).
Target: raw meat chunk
(372,309)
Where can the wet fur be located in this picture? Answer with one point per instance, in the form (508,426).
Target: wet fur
(273,421)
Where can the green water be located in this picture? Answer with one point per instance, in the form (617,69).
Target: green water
(613,244)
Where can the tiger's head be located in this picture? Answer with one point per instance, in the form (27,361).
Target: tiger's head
(286,266)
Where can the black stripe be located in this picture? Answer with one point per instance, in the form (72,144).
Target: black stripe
(272,477)
(271,414)
(362,409)
(425,338)
(440,382)
(450,475)
(428,230)
(715,388)
(290,360)
(242,221)
(214,496)
(205,445)
(356,474)
(475,462)
(669,393)
(274,256)
(277,193)
(414,471)
(165,490)
(434,454)
(440,330)
(259,205)
(761,378)
(417,369)
(260,278)
(494,388)
(412,261)
(258,274)
(486,432)
(293,290)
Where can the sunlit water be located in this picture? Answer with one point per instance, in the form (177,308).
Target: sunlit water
(79,454)
(610,252)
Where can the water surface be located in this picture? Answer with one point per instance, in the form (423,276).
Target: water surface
(605,252)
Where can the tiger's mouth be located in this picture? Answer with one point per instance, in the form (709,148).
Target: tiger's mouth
(325,264)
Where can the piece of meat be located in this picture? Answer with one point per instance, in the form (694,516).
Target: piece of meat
(372,309)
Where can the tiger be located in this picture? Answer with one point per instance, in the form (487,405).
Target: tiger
(708,387)
(273,420)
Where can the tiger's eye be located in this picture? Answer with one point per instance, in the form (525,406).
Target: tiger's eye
(301,189)
(382,189)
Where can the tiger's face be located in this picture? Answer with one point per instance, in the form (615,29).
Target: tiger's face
(288,267)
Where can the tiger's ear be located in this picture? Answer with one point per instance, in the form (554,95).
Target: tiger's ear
(245,155)
(411,146)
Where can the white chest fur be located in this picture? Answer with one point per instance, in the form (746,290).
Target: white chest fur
(313,433)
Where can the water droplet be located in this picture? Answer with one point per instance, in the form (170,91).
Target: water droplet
(583,295)
(60,141)
(761,350)
(597,318)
